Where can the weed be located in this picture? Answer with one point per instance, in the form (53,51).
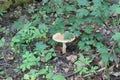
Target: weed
(29,60)
(84,67)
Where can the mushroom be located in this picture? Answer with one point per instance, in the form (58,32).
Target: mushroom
(58,37)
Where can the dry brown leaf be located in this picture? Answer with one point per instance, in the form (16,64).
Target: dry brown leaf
(72,58)
(116,74)
(66,70)
(100,63)
(10,57)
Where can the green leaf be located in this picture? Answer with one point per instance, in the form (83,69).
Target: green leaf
(82,12)
(77,33)
(59,11)
(81,45)
(2,42)
(48,56)
(89,42)
(115,8)
(68,35)
(98,36)
(116,36)
(84,70)
(83,2)
(45,1)
(105,58)
(43,71)
(93,68)
(26,76)
(43,28)
(58,77)
(59,2)
(57,27)
(49,75)
(117,50)
(69,7)
(97,2)
(40,46)
(88,29)
(112,57)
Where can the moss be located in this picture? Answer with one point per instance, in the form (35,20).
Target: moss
(5,4)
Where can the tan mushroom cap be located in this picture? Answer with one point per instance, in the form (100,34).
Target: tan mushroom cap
(60,38)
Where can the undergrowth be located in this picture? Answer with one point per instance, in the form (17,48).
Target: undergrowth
(33,38)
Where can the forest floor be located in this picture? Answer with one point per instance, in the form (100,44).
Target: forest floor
(63,63)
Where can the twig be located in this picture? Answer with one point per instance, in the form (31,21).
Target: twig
(74,73)
(112,50)
(4,64)
(108,27)
(116,61)
(101,69)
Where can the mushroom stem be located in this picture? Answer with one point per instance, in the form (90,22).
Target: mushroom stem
(64,48)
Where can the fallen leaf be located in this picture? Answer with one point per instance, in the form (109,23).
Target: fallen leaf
(66,70)
(72,58)
(10,57)
(115,74)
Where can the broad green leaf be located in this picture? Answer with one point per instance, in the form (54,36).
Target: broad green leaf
(90,42)
(98,36)
(116,36)
(48,56)
(81,45)
(82,12)
(40,46)
(43,28)
(26,76)
(83,2)
(115,8)
(117,50)
(70,8)
(77,33)
(58,2)
(97,2)
(59,11)
(58,77)
(2,42)
(68,35)
(49,75)
(88,29)
(105,58)
(57,27)
(45,1)
(112,57)
(43,71)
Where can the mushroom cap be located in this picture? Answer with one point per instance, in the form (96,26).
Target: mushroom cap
(58,37)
